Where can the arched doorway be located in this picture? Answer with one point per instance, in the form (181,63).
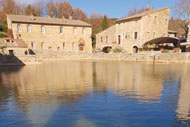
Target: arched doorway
(135,49)
(106,49)
(81,47)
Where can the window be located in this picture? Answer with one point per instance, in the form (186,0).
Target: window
(135,35)
(42,29)
(155,19)
(28,28)
(73,46)
(61,30)
(74,31)
(64,46)
(32,45)
(18,28)
(42,45)
(83,31)
(101,39)
(106,39)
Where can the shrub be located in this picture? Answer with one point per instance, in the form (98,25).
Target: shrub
(117,50)
(165,51)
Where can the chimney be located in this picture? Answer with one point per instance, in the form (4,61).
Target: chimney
(31,17)
(70,17)
(63,18)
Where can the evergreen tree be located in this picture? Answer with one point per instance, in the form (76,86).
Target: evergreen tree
(105,23)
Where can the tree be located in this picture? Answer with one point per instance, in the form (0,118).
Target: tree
(135,11)
(79,14)
(182,11)
(64,9)
(33,10)
(7,7)
(51,9)
(175,25)
(104,23)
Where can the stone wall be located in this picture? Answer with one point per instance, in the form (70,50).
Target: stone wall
(10,60)
(106,37)
(144,57)
(43,56)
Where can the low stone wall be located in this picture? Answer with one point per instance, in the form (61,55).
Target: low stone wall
(42,56)
(6,60)
(146,57)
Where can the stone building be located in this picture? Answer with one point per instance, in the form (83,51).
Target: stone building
(50,33)
(132,32)
(13,47)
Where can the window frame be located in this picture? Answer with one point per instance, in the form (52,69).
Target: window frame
(28,28)
(42,45)
(42,28)
(61,30)
(83,31)
(74,30)
(19,28)
(135,36)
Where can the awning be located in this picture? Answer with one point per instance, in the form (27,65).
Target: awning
(185,44)
(162,40)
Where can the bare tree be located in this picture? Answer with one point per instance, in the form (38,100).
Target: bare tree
(79,14)
(64,9)
(51,9)
(135,11)
(7,7)
(182,11)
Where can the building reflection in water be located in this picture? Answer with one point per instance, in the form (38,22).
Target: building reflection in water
(41,89)
(184,96)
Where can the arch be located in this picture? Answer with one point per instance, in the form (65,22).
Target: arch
(135,49)
(81,47)
(81,41)
(106,49)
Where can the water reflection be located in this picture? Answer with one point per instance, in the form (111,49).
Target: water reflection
(40,91)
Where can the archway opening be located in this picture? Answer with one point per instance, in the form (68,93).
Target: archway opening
(106,49)
(81,47)
(135,49)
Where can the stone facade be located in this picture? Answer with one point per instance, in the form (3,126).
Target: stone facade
(51,34)
(134,31)
(106,38)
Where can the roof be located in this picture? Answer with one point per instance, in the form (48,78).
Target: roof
(12,43)
(172,32)
(111,27)
(162,40)
(185,44)
(48,21)
(140,15)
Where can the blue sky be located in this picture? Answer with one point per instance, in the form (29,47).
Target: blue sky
(115,8)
